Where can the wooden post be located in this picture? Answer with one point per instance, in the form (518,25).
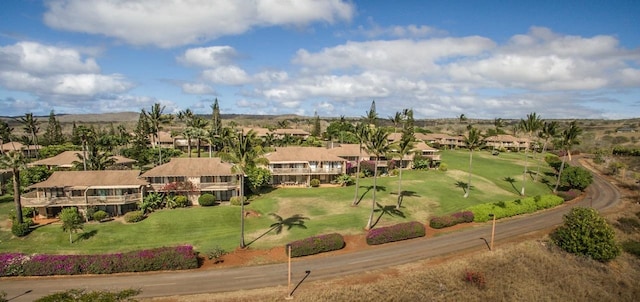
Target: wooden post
(289,297)
(493,231)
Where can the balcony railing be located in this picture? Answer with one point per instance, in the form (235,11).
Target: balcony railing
(78,200)
(305,171)
(218,186)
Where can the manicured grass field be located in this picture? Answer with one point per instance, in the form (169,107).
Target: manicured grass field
(328,209)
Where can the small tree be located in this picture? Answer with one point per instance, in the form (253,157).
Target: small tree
(576,178)
(587,233)
(71,221)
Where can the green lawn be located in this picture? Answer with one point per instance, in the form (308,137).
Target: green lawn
(328,209)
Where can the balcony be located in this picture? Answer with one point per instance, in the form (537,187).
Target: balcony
(78,200)
(218,186)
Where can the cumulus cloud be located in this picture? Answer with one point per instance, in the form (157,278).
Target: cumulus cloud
(47,70)
(208,57)
(197,88)
(174,23)
(227,75)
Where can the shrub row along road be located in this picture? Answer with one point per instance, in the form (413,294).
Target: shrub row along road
(601,195)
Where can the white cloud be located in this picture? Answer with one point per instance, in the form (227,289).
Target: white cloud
(208,57)
(197,88)
(173,23)
(35,58)
(227,75)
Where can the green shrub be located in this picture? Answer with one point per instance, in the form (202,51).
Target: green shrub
(440,222)
(585,232)
(344,180)
(576,178)
(505,209)
(316,244)
(21,229)
(314,182)
(134,216)
(235,200)
(632,247)
(182,201)
(80,295)
(443,167)
(396,232)
(207,200)
(216,254)
(99,215)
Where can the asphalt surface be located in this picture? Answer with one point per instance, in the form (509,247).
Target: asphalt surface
(601,195)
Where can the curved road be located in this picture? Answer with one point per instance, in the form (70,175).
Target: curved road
(601,195)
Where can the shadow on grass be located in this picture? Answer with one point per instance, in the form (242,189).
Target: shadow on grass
(390,210)
(378,189)
(512,181)
(86,235)
(296,220)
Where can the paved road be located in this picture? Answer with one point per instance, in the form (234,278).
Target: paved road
(601,195)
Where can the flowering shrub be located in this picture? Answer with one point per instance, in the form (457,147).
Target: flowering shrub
(316,244)
(165,258)
(475,278)
(396,232)
(569,195)
(440,222)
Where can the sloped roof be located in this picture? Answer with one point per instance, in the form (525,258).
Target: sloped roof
(421,146)
(66,159)
(15,146)
(301,154)
(109,178)
(350,150)
(191,167)
(504,138)
(291,132)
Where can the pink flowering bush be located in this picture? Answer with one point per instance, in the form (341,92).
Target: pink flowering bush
(401,231)
(164,258)
(316,244)
(440,222)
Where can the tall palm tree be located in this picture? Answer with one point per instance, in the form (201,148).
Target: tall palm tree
(244,151)
(396,120)
(378,145)
(530,125)
(473,141)
(200,125)
(548,131)
(156,119)
(85,134)
(15,161)
(30,126)
(362,134)
(568,138)
(401,149)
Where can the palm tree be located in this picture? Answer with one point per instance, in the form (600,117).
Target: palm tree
(568,138)
(548,131)
(530,125)
(15,161)
(473,141)
(401,149)
(396,120)
(244,152)
(86,134)
(200,125)
(30,126)
(362,134)
(378,145)
(155,119)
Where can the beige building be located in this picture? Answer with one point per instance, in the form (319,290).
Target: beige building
(297,166)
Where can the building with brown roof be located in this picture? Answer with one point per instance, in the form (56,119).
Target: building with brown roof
(506,142)
(194,176)
(297,166)
(115,192)
(30,151)
(66,159)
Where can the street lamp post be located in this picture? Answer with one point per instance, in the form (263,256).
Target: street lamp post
(289,296)
(493,230)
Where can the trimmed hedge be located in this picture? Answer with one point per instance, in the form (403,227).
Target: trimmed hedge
(99,215)
(164,258)
(21,229)
(503,209)
(235,200)
(396,232)
(134,216)
(316,244)
(314,182)
(207,200)
(440,222)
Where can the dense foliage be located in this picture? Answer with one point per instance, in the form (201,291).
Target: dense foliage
(235,200)
(207,200)
(587,233)
(99,215)
(133,216)
(316,244)
(504,209)
(440,222)
(625,151)
(396,232)
(165,258)
(258,179)
(576,178)
(20,229)
(81,295)
(314,182)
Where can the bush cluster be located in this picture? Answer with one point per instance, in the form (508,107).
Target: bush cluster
(99,215)
(503,209)
(440,222)
(314,182)
(207,200)
(316,244)
(396,232)
(21,229)
(134,216)
(165,258)
(569,195)
(98,295)
(235,200)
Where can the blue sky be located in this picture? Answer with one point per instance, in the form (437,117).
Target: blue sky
(484,59)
